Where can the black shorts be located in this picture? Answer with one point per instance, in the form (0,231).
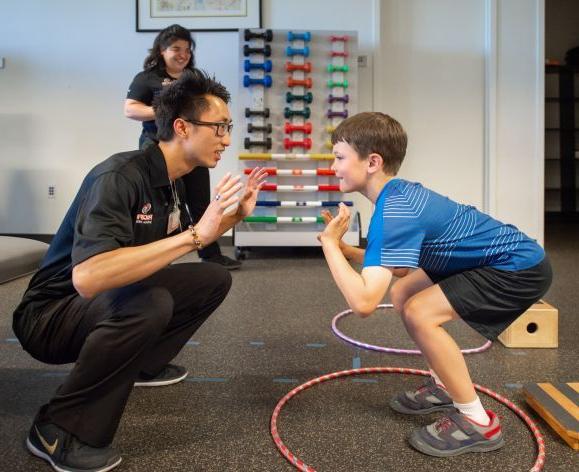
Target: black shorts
(489,300)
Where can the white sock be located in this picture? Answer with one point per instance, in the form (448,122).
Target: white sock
(474,410)
(437,379)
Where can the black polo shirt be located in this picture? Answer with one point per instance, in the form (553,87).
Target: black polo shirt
(145,87)
(124,201)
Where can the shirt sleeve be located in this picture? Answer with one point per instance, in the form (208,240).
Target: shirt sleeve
(396,243)
(104,221)
(141,90)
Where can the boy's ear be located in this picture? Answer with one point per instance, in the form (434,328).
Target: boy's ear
(375,163)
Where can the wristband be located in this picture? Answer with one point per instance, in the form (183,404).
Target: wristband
(196,240)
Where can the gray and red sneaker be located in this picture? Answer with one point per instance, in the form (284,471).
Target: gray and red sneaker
(456,434)
(428,398)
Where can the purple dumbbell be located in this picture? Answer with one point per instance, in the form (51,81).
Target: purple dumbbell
(266,50)
(248,65)
(265,81)
(333,98)
(297,51)
(291,36)
(334,114)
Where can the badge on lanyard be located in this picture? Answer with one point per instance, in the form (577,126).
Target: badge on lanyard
(174,221)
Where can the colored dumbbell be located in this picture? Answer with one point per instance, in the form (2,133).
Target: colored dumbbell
(249,81)
(248,143)
(291,82)
(267,35)
(297,52)
(305,128)
(264,113)
(335,114)
(333,83)
(307,67)
(306,143)
(333,68)
(291,36)
(339,54)
(266,50)
(265,128)
(334,98)
(329,144)
(330,129)
(307,97)
(338,38)
(288,112)
(248,65)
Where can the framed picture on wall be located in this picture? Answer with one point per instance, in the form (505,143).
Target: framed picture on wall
(198,15)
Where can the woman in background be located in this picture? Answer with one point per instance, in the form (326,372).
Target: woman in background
(172,53)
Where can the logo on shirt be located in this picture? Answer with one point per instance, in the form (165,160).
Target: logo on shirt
(145,217)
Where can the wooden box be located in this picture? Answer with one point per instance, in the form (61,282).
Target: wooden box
(537,327)
(558,405)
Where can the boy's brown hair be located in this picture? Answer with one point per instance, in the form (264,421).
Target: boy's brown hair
(374,132)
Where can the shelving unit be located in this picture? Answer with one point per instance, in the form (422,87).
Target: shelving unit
(312,87)
(561,143)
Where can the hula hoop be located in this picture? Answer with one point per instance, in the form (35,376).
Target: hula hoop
(390,350)
(300,465)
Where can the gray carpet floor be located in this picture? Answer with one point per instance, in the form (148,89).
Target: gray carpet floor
(273,333)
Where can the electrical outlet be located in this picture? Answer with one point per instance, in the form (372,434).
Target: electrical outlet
(362,61)
(51,192)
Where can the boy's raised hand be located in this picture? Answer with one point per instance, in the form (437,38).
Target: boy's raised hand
(336,226)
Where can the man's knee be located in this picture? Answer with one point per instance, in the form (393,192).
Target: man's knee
(220,278)
(155,309)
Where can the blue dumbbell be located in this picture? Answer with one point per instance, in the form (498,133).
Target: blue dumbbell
(291,36)
(297,52)
(248,65)
(248,81)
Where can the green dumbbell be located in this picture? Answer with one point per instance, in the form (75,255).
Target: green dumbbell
(288,113)
(332,83)
(333,68)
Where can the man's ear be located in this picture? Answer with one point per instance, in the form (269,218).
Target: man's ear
(375,163)
(180,127)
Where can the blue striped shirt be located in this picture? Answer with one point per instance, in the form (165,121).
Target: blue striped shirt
(413,226)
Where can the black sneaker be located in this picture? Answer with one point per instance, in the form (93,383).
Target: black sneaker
(66,453)
(227,262)
(171,374)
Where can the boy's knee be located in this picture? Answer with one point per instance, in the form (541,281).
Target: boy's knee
(411,312)
(398,297)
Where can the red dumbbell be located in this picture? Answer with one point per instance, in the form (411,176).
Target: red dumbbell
(290,66)
(295,82)
(339,54)
(339,38)
(305,128)
(289,144)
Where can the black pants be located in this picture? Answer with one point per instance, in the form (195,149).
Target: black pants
(114,336)
(198,189)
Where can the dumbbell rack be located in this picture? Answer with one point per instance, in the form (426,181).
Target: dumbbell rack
(300,183)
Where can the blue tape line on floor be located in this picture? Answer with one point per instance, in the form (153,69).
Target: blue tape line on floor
(356,363)
(12,340)
(256,343)
(192,343)
(367,381)
(205,379)
(514,385)
(315,345)
(285,380)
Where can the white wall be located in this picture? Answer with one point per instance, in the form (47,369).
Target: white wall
(68,68)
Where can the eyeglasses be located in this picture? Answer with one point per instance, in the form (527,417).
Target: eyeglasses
(221,127)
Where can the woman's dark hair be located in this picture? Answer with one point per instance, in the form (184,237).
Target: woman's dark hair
(185,98)
(163,40)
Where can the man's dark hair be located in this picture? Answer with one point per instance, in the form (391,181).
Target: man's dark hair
(185,98)
(164,40)
(374,132)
